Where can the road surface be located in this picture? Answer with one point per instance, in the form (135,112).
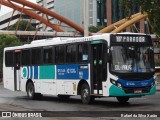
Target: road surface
(17,101)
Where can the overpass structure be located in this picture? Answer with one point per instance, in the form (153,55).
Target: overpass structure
(29,8)
(28,36)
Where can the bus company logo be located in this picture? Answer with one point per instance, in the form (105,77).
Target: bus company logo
(144,83)
(130,84)
(25,72)
(71,71)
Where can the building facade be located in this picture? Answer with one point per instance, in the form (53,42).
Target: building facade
(49,4)
(115,13)
(74,11)
(101,12)
(5,19)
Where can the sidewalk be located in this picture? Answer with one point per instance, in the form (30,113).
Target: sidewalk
(1,83)
(158,82)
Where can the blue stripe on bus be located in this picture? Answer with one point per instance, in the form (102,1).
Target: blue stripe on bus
(74,71)
(136,83)
(31,72)
(28,72)
(35,72)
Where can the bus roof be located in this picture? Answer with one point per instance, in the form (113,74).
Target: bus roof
(65,40)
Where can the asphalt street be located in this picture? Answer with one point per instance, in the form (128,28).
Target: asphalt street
(17,101)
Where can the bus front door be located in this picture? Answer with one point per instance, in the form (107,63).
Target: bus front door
(98,67)
(17,72)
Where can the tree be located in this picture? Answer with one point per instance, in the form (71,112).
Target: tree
(22,26)
(94,29)
(151,7)
(7,41)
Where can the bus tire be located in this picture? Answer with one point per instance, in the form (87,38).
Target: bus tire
(31,91)
(85,94)
(122,99)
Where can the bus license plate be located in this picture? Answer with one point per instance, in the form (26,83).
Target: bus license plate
(137,91)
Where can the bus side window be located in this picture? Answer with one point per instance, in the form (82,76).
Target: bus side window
(47,55)
(36,56)
(83,53)
(71,54)
(59,54)
(26,58)
(9,59)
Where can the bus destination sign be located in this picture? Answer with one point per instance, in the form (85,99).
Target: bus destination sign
(130,39)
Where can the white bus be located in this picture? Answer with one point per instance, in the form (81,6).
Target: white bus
(115,65)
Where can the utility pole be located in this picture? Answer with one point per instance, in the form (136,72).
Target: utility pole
(86,17)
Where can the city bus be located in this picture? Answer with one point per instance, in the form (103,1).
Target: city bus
(115,65)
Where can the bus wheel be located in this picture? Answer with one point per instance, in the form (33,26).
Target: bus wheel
(85,94)
(122,99)
(30,91)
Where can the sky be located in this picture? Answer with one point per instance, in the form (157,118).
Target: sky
(5,9)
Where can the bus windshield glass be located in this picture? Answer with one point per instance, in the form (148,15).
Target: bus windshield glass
(132,59)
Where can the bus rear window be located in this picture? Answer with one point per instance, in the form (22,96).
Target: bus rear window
(9,59)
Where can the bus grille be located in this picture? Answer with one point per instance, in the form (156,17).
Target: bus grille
(131,90)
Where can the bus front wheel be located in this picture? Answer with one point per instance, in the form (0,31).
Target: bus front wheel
(122,99)
(85,94)
(30,91)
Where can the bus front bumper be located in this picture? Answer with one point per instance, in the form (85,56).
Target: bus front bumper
(115,91)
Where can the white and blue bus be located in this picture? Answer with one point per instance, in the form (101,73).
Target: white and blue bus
(115,65)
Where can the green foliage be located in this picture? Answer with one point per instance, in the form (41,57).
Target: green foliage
(157,62)
(7,41)
(22,26)
(127,6)
(94,29)
(151,7)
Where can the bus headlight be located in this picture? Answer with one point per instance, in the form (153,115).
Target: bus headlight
(152,84)
(116,83)
(113,81)
(119,85)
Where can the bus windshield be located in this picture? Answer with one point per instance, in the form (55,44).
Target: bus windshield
(132,59)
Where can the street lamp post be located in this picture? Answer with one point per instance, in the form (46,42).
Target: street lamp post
(86,18)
